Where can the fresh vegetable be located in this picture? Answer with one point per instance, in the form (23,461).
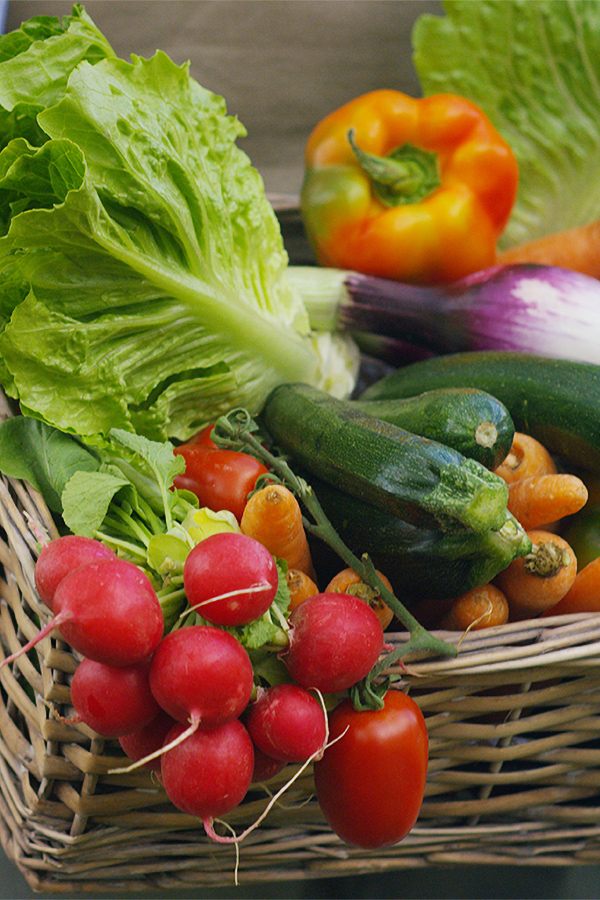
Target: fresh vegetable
(398,472)
(574,248)
(148,740)
(43,456)
(509,59)
(348,581)
(583,595)
(371,780)
(409,189)
(58,557)
(544,310)
(540,579)
(470,421)
(123,495)
(273,516)
(265,767)
(527,458)
(201,676)
(230,579)
(553,400)
(423,562)
(203,438)
(582,532)
(239,430)
(482,607)
(300,587)
(221,479)
(287,722)
(113,700)
(106,610)
(208,773)
(144,281)
(335,641)
(544,499)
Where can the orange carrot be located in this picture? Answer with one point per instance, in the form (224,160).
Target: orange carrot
(544,499)
(537,581)
(526,457)
(575,248)
(273,516)
(584,593)
(349,582)
(301,587)
(481,607)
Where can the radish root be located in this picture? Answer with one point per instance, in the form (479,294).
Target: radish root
(254,589)
(42,633)
(237,839)
(194,724)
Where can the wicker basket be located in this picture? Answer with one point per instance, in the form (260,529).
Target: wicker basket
(514,776)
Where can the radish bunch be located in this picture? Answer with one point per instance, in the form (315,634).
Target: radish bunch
(188,703)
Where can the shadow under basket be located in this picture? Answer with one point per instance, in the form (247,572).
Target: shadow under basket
(514,772)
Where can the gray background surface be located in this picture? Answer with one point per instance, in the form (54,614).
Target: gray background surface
(282,65)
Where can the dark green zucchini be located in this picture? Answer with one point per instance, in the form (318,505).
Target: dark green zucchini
(422,481)
(556,401)
(468,420)
(421,563)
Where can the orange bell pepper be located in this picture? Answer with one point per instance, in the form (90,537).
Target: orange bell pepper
(416,190)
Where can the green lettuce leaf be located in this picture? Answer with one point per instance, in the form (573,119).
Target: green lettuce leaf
(44,457)
(31,78)
(143,277)
(87,497)
(533,66)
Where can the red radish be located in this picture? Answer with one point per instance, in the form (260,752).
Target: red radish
(335,641)
(230,579)
(113,700)
(60,557)
(144,742)
(287,722)
(201,675)
(107,611)
(265,767)
(209,772)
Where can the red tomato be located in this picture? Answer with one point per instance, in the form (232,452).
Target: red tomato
(221,479)
(370,782)
(203,438)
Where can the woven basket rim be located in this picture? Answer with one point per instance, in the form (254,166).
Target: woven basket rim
(549,641)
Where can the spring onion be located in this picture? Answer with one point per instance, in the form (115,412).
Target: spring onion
(544,310)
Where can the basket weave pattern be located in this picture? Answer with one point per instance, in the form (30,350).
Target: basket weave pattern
(514,774)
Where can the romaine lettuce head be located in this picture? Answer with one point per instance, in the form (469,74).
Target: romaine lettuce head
(534,67)
(36,60)
(144,278)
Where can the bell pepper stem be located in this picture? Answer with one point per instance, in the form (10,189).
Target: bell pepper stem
(407,175)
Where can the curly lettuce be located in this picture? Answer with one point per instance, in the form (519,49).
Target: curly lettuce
(534,67)
(143,276)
